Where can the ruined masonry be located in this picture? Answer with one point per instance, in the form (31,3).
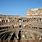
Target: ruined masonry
(22,28)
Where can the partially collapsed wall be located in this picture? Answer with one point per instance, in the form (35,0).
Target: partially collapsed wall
(21,28)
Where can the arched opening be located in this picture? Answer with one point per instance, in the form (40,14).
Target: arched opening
(3,20)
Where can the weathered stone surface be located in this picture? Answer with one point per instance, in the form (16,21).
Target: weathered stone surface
(21,29)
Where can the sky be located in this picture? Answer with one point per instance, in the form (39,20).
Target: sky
(18,7)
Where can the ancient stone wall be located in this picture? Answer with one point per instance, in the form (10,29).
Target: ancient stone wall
(21,29)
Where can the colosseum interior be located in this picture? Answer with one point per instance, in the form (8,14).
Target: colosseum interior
(22,28)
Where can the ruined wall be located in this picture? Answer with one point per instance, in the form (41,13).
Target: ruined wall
(21,28)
